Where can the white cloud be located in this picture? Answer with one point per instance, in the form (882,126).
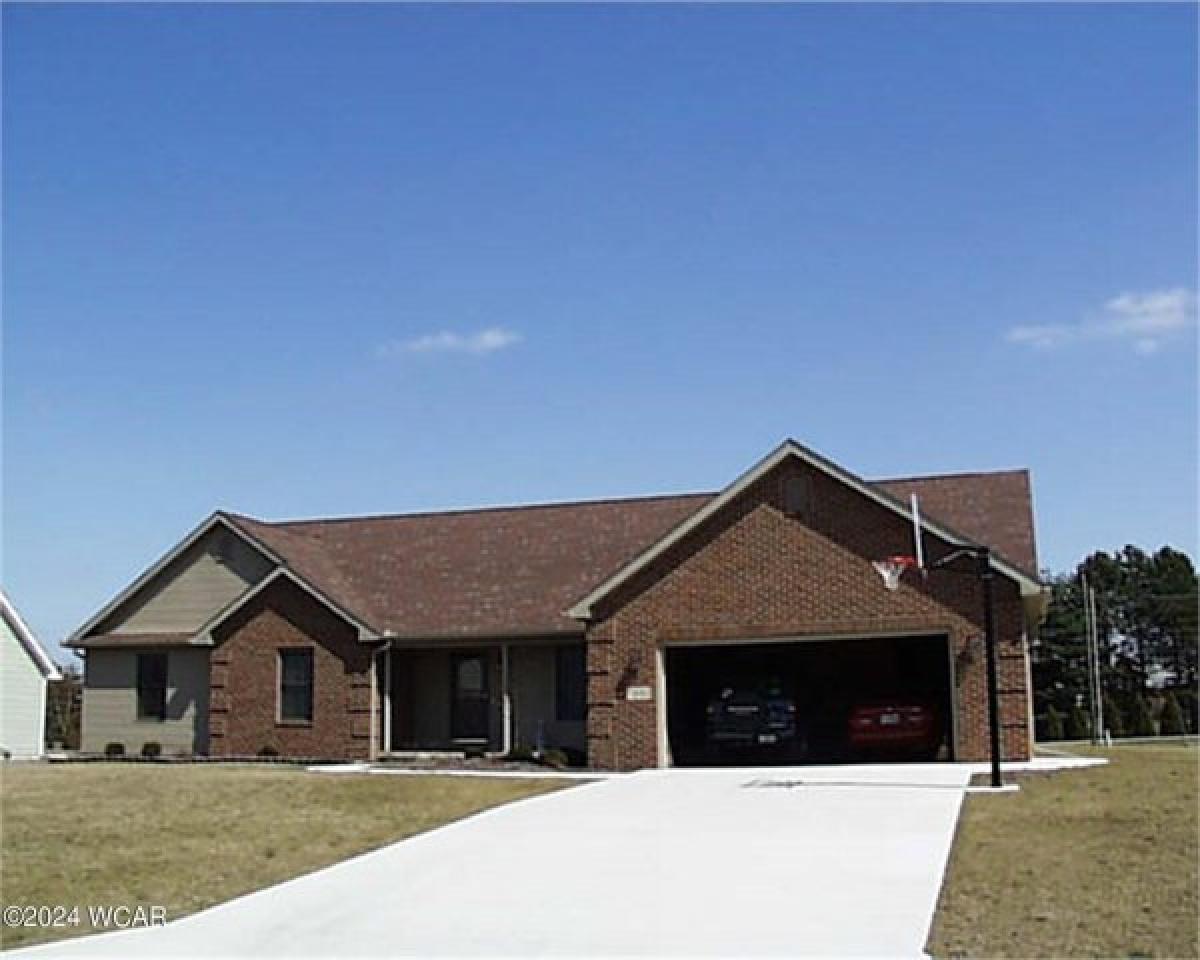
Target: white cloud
(1143,320)
(480,342)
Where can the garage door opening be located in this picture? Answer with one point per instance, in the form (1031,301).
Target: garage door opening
(834,701)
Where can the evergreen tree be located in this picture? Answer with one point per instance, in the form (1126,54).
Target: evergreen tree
(1141,722)
(1189,706)
(1052,725)
(1172,611)
(1059,654)
(1146,612)
(1171,721)
(1114,719)
(1079,726)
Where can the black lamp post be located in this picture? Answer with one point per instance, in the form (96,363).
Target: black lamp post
(983,570)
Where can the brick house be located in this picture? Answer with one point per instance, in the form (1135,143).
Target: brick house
(599,628)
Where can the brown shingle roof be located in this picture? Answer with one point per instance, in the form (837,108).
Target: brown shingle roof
(507,570)
(995,508)
(514,570)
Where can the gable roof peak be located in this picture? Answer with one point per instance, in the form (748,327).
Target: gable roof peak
(790,447)
(25,637)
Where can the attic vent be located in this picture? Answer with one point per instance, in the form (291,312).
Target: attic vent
(221,550)
(796,495)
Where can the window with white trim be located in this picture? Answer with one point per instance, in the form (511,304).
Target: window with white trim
(296,686)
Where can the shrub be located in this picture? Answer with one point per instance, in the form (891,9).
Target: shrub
(554,758)
(575,757)
(151,751)
(1079,725)
(1052,724)
(267,752)
(1114,719)
(1141,723)
(521,755)
(1189,706)
(1171,722)
(114,749)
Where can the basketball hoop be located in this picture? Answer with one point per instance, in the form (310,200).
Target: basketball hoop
(890,568)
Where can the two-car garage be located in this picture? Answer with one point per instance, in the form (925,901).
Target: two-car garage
(810,701)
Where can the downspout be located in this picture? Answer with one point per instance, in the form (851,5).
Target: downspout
(379,703)
(1034,607)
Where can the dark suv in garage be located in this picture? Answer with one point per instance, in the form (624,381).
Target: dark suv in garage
(752,721)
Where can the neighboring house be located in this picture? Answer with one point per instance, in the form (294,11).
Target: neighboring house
(25,668)
(598,627)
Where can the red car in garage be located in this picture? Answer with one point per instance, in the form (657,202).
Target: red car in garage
(897,727)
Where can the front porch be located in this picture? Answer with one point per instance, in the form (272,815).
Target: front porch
(491,699)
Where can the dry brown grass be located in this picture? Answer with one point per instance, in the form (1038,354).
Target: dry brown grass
(1090,863)
(187,837)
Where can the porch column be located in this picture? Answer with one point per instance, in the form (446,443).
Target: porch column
(387,699)
(505,703)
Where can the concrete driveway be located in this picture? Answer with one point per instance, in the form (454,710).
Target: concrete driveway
(782,861)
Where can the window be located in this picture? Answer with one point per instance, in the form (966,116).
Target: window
(295,686)
(570,683)
(152,686)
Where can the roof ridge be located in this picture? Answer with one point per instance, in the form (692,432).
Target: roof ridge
(241,518)
(461,511)
(598,501)
(955,475)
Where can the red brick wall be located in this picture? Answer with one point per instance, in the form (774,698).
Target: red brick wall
(755,571)
(244,680)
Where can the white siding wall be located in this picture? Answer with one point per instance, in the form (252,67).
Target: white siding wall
(110,703)
(22,698)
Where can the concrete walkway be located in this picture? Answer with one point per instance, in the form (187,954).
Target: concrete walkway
(829,861)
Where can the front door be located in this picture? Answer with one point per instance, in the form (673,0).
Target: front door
(469,697)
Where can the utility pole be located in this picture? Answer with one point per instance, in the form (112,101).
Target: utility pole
(1093,708)
(1096,661)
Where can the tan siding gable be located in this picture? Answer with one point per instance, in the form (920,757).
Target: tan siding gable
(210,574)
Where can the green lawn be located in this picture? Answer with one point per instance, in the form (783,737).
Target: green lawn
(189,836)
(1087,863)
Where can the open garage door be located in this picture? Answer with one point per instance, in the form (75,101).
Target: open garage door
(812,701)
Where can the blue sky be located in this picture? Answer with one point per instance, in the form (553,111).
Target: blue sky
(309,260)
